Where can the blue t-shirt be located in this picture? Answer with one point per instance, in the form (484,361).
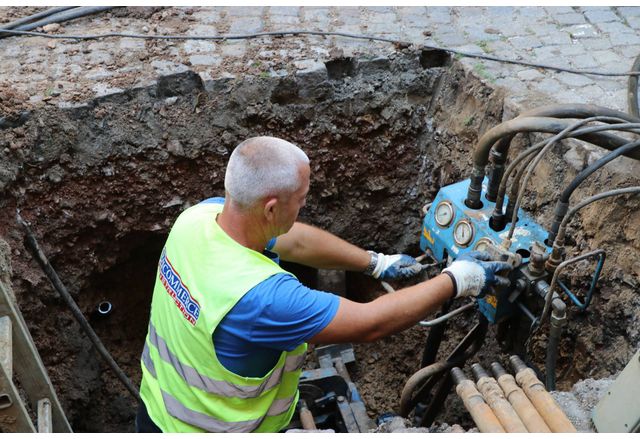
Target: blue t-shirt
(276,315)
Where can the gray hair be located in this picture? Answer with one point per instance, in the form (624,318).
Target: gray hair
(263,166)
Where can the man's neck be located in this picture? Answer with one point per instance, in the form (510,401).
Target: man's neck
(242,228)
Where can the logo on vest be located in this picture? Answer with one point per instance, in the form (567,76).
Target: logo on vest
(178,291)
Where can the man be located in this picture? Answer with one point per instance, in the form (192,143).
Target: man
(228,326)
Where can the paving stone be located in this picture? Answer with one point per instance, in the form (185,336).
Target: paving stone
(579,31)
(105,89)
(311,69)
(633,22)
(525,42)
(513,28)
(558,39)
(544,29)
(198,46)
(246,25)
(602,42)
(573,80)
(608,57)
(242,11)
(479,34)
(439,14)
(290,11)
(164,67)
(571,50)
(568,19)
(451,39)
(205,60)
(532,12)
(233,48)
(530,75)
(600,16)
(320,15)
(131,44)
(614,27)
(585,61)
(630,51)
(555,10)
(388,18)
(624,39)
(629,11)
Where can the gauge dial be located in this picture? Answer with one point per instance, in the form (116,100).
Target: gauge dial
(463,233)
(482,244)
(444,213)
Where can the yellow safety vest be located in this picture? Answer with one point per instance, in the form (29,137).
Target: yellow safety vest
(201,275)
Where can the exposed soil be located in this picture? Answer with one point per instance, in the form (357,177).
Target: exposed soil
(102,183)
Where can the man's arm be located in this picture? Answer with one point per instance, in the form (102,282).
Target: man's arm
(311,246)
(388,314)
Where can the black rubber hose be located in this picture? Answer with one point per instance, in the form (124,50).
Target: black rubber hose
(561,111)
(33,17)
(59,18)
(527,124)
(562,205)
(632,91)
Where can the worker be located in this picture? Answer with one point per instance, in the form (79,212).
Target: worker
(229,327)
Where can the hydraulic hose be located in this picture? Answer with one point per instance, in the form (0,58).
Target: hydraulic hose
(632,91)
(493,395)
(559,241)
(498,219)
(59,17)
(527,124)
(519,401)
(552,414)
(33,17)
(481,413)
(563,202)
(416,380)
(561,111)
(538,158)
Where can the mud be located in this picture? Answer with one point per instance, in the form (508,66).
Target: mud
(102,182)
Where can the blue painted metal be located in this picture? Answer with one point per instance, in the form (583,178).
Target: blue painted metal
(442,244)
(587,300)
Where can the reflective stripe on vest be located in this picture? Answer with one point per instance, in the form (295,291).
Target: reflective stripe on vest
(209,423)
(222,388)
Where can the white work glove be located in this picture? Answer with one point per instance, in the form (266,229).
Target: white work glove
(392,266)
(474,273)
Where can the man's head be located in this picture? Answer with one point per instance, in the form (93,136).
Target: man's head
(268,176)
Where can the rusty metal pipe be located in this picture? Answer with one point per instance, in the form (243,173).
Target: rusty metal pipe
(519,401)
(481,413)
(416,380)
(493,395)
(542,400)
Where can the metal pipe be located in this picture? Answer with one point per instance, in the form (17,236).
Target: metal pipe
(558,321)
(519,401)
(481,413)
(544,403)
(36,16)
(527,124)
(550,291)
(493,395)
(444,318)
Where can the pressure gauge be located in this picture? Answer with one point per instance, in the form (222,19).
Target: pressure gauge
(444,213)
(483,244)
(463,233)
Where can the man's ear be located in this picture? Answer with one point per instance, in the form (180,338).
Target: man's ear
(270,209)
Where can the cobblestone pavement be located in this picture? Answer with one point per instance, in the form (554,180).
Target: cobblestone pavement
(65,72)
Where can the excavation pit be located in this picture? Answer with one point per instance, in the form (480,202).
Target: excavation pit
(102,183)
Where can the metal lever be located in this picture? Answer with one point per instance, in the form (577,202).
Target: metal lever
(447,316)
